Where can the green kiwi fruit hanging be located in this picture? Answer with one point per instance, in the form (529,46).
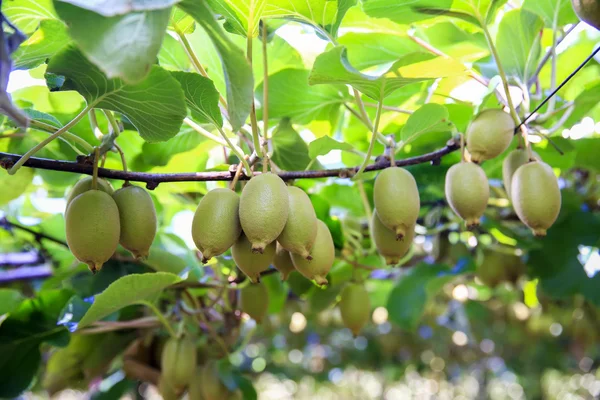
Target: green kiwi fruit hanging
(283,262)
(489,134)
(385,240)
(85,184)
(588,11)
(254,301)
(323,256)
(467,192)
(178,362)
(355,307)
(298,235)
(511,163)
(249,262)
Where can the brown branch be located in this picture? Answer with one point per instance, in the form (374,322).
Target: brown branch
(5,223)
(152,180)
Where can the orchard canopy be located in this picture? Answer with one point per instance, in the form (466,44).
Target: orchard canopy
(300,199)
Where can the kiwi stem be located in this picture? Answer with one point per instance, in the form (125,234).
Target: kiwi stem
(236,177)
(253,120)
(66,135)
(95,173)
(160,317)
(202,319)
(113,122)
(265,60)
(122,154)
(365,201)
(50,138)
(375,130)
(364,117)
(236,151)
(462,147)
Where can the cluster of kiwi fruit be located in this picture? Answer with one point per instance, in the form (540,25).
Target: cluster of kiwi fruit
(530,183)
(180,370)
(98,219)
(270,223)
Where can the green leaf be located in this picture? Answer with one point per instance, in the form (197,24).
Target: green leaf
(554,12)
(14,185)
(428,118)
(333,67)
(109,8)
(156,120)
(124,46)
(243,16)
(300,102)
(27,14)
(9,300)
(201,97)
(324,144)
(237,71)
(30,325)
(290,152)
(587,153)
(277,292)
(366,50)
(50,38)
(518,43)
(320,13)
(159,154)
(128,290)
(404,11)
(172,55)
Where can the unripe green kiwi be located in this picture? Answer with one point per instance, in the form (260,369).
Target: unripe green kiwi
(178,362)
(323,256)
(283,262)
(93,228)
(588,11)
(250,262)
(396,198)
(489,134)
(467,191)
(385,240)
(264,208)
(138,220)
(536,196)
(212,387)
(254,301)
(216,225)
(511,163)
(167,391)
(195,386)
(497,267)
(355,307)
(85,184)
(298,235)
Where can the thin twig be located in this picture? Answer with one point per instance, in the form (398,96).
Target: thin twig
(38,235)
(548,54)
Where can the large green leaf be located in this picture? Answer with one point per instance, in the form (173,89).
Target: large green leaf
(238,75)
(50,38)
(243,16)
(404,11)
(110,8)
(325,144)
(366,50)
(333,67)
(156,120)
(27,14)
(320,13)
(201,97)
(518,43)
(428,118)
(31,324)
(289,150)
(554,12)
(159,154)
(300,102)
(9,300)
(122,46)
(172,55)
(128,290)
(14,185)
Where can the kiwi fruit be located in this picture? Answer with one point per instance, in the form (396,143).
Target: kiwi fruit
(489,134)
(385,240)
(467,192)
(588,11)
(178,362)
(93,228)
(250,262)
(511,163)
(264,208)
(166,390)
(323,255)
(138,220)
(254,301)
(396,199)
(85,184)
(497,267)
(212,387)
(216,224)
(298,235)
(536,196)
(355,307)
(283,262)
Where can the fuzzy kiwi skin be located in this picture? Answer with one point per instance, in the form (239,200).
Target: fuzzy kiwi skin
(167,391)
(250,262)
(489,135)
(178,362)
(93,228)
(216,224)
(254,301)
(385,240)
(283,262)
(588,11)
(511,163)
(211,387)
(323,256)
(264,208)
(300,231)
(467,192)
(536,196)
(355,307)
(396,197)
(138,220)
(85,184)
